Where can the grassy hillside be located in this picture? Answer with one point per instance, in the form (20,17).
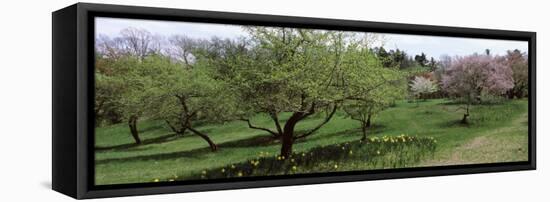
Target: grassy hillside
(497,133)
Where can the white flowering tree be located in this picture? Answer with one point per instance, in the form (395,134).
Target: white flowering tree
(422,86)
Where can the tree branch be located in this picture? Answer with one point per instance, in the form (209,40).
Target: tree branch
(260,128)
(276,120)
(327,119)
(174,129)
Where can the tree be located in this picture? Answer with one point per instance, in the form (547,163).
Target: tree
(432,64)
(133,96)
(393,58)
(386,58)
(517,61)
(117,92)
(421,59)
(470,76)
(182,49)
(363,108)
(300,72)
(422,86)
(139,42)
(134,42)
(108,90)
(182,97)
(124,53)
(443,64)
(407,62)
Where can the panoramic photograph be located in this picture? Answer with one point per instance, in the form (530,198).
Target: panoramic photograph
(184,101)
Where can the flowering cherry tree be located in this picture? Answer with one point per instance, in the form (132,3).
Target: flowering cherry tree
(470,76)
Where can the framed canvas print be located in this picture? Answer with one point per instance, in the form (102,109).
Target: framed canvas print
(155,100)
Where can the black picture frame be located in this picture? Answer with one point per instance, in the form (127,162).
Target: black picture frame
(73,94)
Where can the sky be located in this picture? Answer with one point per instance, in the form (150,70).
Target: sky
(433,46)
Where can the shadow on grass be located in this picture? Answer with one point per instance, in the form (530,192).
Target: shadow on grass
(256,141)
(453,124)
(195,153)
(156,140)
(150,128)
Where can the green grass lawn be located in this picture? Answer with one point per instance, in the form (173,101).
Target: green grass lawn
(496,133)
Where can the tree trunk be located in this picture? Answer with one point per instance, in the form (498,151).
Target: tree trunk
(177,131)
(364,129)
(132,123)
(287,139)
(368,121)
(465,117)
(213,146)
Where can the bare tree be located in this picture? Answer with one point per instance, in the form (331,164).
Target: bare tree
(132,42)
(139,42)
(181,48)
(110,48)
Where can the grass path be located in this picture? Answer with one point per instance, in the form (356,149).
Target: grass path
(505,144)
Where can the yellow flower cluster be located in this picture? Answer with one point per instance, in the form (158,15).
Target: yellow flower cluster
(279,158)
(393,139)
(255,162)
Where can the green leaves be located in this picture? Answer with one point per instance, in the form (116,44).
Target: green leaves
(275,70)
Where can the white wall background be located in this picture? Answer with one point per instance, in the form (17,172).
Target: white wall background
(25,99)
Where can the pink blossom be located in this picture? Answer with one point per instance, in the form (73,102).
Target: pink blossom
(471,75)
